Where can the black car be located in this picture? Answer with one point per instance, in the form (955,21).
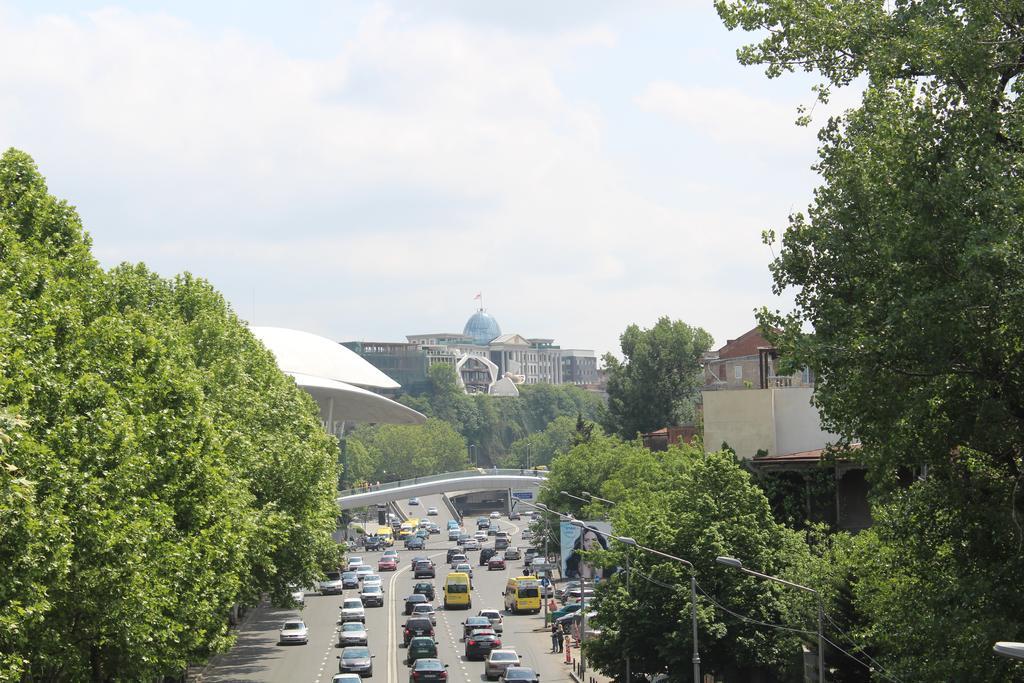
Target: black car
(480,642)
(413,600)
(423,569)
(349,580)
(356,660)
(474,623)
(424,588)
(520,674)
(415,543)
(486,554)
(452,552)
(428,670)
(500,543)
(374,543)
(482,522)
(417,626)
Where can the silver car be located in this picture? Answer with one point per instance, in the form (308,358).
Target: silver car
(352,633)
(425,610)
(352,610)
(498,661)
(293,632)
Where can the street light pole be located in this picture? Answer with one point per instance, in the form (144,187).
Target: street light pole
(588,494)
(736,563)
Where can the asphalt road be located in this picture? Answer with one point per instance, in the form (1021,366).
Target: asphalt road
(257,656)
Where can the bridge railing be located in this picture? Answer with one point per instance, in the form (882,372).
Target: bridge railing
(464,474)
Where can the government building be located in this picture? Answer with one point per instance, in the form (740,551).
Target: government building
(485,360)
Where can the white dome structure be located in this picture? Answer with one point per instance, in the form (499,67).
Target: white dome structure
(329,373)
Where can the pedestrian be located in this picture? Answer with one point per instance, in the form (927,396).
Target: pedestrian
(556,638)
(561,640)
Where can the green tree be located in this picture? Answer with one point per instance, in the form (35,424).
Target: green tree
(542,448)
(907,268)
(659,379)
(408,451)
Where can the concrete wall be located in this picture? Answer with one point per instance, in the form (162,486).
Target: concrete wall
(743,418)
(779,421)
(797,422)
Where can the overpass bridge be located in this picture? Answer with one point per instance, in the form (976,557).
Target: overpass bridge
(449,482)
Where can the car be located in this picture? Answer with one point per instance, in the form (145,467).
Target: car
(424,588)
(471,544)
(514,515)
(417,626)
(497,623)
(495,515)
(423,532)
(372,595)
(293,632)
(454,534)
(363,571)
(529,554)
(564,611)
(480,536)
(413,600)
(352,610)
(433,528)
(465,568)
(423,569)
(425,610)
(414,501)
(496,562)
(512,554)
(480,642)
(527,534)
(331,584)
(356,660)
(457,559)
(415,543)
(372,580)
(452,552)
(492,530)
(463,538)
(387,564)
(374,543)
(391,552)
(354,562)
(349,580)
(432,511)
(519,674)
(428,670)
(578,595)
(500,543)
(419,648)
(298,596)
(473,623)
(352,633)
(346,678)
(482,522)
(498,661)
(486,554)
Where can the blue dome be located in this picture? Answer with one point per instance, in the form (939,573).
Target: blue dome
(482,328)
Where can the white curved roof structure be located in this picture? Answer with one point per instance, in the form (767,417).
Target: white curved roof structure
(329,372)
(343,402)
(311,354)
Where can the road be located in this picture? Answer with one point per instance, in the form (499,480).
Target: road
(257,657)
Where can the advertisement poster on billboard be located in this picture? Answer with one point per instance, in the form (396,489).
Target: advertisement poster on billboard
(574,539)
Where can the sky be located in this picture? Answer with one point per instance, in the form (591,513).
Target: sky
(361,170)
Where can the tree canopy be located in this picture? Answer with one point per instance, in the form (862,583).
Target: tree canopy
(396,452)
(156,467)
(658,381)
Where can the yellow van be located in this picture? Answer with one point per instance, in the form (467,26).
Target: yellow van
(456,591)
(386,533)
(522,594)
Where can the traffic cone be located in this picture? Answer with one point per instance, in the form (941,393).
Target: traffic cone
(567,647)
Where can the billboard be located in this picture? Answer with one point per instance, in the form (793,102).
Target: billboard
(574,539)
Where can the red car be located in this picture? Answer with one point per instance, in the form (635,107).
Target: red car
(496,562)
(387,564)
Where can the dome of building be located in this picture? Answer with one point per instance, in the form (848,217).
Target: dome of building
(482,328)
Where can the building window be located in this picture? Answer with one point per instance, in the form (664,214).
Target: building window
(737,372)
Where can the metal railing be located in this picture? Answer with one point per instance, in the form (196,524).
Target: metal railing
(464,474)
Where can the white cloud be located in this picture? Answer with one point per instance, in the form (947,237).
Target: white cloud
(419,161)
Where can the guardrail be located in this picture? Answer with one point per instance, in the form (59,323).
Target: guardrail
(442,477)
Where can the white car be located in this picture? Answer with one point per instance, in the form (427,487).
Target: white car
(498,661)
(425,609)
(465,568)
(331,584)
(347,678)
(354,562)
(495,616)
(471,544)
(480,536)
(298,596)
(372,580)
(372,595)
(294,631)
(495,515)
(364,570)
(352,610)
(432,511)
